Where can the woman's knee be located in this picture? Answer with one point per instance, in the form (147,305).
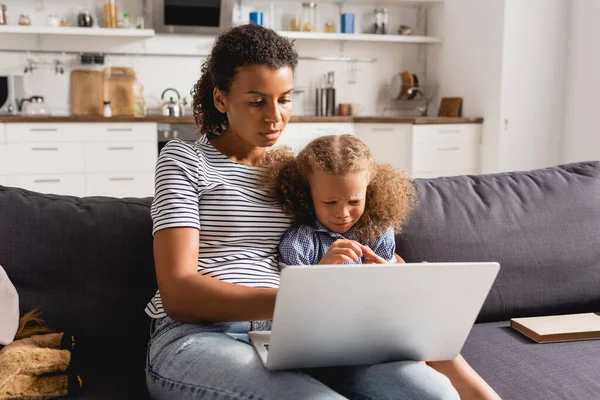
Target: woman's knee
(428,384)
(401,380)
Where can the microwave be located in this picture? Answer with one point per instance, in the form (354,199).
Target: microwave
(203,17)
(11,92)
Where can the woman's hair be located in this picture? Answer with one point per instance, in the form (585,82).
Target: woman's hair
(391,194)
(238,47)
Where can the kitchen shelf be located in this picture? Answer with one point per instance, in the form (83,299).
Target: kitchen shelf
(76,31)
(419,3)
(361,37)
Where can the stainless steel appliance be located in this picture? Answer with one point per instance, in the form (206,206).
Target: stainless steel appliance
(185,132)
(205,17)
(11,92)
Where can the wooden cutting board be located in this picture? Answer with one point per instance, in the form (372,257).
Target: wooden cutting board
(87,92)
(119,83)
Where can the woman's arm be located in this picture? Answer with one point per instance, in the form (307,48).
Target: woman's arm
(191,297)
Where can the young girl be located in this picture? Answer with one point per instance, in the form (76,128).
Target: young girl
(346,209)
(345,206)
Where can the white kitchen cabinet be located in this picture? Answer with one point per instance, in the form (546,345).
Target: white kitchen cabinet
(389,143)
(443,150)
(67,184)
(298,134)
(122,132)
(44,132)
(425,151)
(291,136)
(45,158)
(120,184)
(120,157)
(111,159)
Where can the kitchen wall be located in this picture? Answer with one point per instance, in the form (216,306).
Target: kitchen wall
(533,83)
(469,64)
(506,58)
(160,72)
(581,140)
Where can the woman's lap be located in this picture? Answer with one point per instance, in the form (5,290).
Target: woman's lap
(188,361)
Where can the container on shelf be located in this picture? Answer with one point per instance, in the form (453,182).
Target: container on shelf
(309,17)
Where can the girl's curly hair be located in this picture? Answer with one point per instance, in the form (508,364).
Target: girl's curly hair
(391,194)
(237,47)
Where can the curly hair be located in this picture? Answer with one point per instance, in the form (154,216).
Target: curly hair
(391,194)
(236,48)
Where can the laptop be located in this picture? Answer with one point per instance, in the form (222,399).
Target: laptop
(332,315)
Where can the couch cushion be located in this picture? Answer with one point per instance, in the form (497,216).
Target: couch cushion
(542,226)
(87,264)
(518,368)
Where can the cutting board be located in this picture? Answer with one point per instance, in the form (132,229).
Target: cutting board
(119,83)
(87,92)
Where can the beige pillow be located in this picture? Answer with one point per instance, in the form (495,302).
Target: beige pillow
(9,309)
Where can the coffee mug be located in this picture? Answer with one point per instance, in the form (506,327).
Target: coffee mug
(344,109)
(355,109)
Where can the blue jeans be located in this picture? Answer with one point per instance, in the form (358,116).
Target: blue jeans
(215,361)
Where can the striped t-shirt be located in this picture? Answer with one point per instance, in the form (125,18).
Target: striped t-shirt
(240,224)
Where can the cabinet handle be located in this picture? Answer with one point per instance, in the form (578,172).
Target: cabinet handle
(388,129)
(44,148)
(445,131)
(43,130)
(121,148)
(448,148)
(122,179)
(119,129)
(46,180)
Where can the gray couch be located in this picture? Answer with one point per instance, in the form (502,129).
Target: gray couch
(87,264)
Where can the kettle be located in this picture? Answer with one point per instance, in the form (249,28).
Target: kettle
(35,105)
(172,108)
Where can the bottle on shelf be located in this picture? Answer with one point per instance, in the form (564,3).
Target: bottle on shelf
(309,17)
(110,14)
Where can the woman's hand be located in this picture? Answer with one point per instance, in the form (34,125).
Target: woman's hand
(343,250)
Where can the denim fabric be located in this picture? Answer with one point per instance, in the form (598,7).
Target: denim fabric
(215,361)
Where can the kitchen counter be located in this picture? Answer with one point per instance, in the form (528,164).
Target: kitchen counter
(190,119)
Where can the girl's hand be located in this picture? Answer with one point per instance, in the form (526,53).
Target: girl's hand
(371,257)
(342,251)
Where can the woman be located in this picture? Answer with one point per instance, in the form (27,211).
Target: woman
(216,234)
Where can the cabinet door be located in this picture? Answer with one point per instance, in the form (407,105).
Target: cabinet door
(312,131)
(65,184)
(123,132)
(44,132)
(444,150)
(291,136)
(120,157)
(45,158)
(389,143)
(120,184)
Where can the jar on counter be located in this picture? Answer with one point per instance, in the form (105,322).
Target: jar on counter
(309,17)
(24,20)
